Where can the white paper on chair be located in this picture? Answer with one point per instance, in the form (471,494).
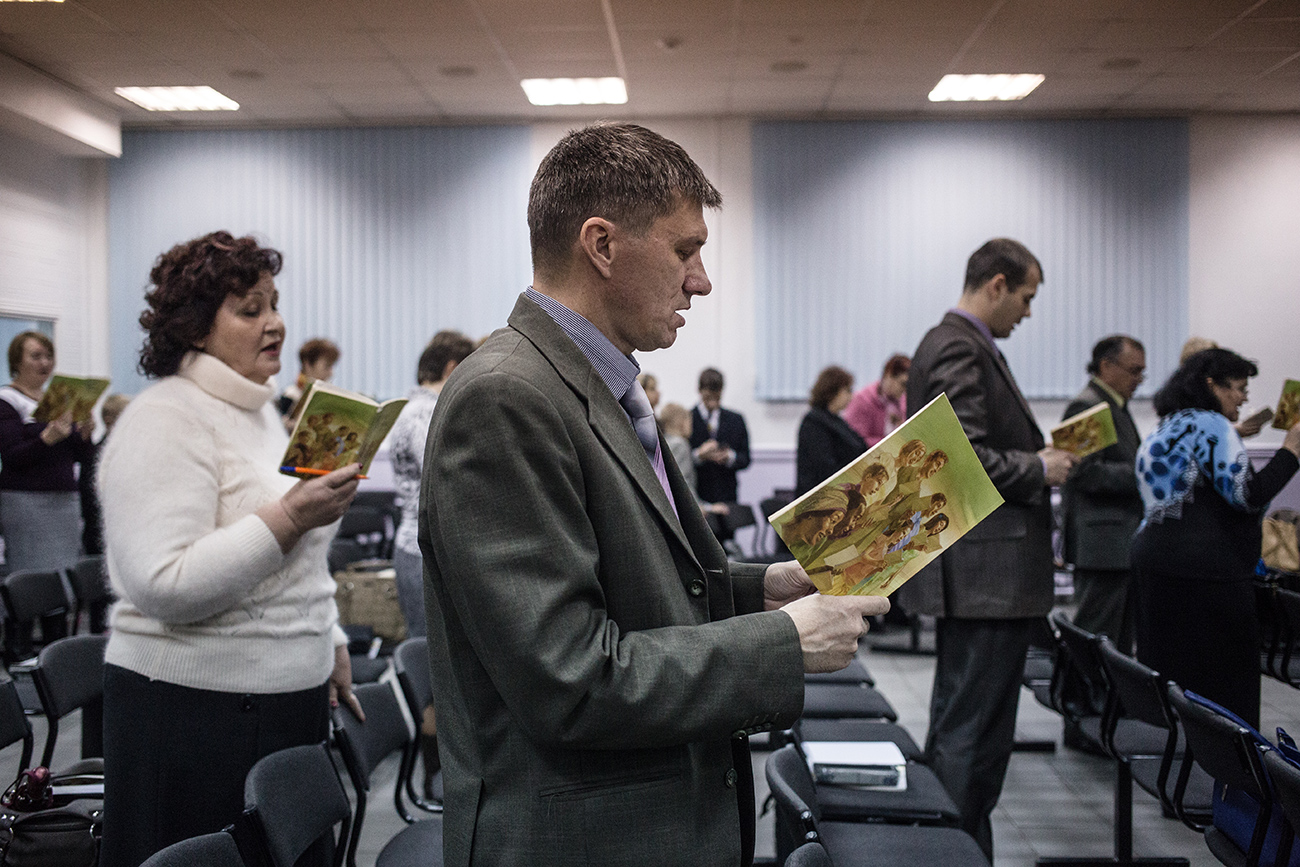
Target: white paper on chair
(877,765)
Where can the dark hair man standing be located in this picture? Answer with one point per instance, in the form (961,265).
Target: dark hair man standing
(1102,504)
(597,662)
(993,587)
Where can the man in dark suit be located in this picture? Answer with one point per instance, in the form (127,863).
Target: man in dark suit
(1101,502)
(992,587)
(719,441)
(597,664)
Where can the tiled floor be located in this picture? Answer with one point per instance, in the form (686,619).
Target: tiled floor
(1053,804)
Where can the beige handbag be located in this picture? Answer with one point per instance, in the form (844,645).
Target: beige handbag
(1281,548)
(367,596)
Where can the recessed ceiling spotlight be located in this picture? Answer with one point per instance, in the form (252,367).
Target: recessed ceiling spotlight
(177,98)
(794,39)
(983,88)
(575,91)
(1120,63)
(246,74)
(458,71)
(787,66)
(669,43)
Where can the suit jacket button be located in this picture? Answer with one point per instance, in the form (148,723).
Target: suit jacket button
(731,778)
(697,587)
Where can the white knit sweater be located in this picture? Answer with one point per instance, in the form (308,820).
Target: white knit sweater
(207,598)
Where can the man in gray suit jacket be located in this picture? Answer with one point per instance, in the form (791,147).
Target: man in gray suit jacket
(597,664)
(1102,506)
(990,588)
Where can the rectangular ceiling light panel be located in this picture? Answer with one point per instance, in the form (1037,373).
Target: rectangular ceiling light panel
(984,88)
(177,98)
(575,91)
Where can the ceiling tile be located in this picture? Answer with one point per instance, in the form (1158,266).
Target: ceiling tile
(1144,33)
(321,72)
(1257,33)
(35,18)
(1223,64)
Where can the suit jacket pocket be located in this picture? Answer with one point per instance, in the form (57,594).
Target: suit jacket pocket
(615,788)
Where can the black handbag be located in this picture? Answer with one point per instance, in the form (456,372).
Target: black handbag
(35,834)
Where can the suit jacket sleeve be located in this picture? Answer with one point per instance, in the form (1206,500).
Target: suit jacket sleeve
(741,442)
(1101,472)
(963,370)
(527,583)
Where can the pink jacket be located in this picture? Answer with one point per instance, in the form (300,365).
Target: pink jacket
(873,415)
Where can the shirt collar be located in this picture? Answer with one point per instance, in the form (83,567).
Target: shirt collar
(1114,395)
(616,369)
(977,322)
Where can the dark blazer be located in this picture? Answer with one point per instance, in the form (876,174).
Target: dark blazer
(826,444)
(716,483)
(1102,505)
(594,658)
(1003,567)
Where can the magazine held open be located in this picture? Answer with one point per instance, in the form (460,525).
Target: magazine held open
(879,520)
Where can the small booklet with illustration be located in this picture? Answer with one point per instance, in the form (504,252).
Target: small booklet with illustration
(879,520)
(1087,432)
(70,394)
(1288,406)
(337,427)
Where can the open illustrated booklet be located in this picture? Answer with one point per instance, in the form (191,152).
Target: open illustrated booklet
(70,394)
(1288,405)
(1084,433)
(879,520)
(337,427)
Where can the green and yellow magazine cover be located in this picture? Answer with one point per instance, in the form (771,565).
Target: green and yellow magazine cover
(335,428)
(879,520)
(1288,405)
(1089,431)
(70,394)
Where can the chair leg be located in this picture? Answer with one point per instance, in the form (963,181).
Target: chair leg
(1123,832)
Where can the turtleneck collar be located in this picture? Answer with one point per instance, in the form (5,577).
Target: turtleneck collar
(219,380)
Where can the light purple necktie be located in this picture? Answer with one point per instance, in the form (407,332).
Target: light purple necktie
(637,405)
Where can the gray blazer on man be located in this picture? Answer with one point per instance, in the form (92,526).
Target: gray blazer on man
(1101,502)
(594,657)
(1002,568)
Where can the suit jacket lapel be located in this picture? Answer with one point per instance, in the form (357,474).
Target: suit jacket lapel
(998,362)
(606,416)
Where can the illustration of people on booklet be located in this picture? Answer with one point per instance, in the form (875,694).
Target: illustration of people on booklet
(878,521)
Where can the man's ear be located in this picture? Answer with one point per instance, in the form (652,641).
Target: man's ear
(996,286)
(594,239)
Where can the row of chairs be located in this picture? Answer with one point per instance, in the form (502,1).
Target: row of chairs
(861,826)
(32,597)
(295,798)
(1278,603)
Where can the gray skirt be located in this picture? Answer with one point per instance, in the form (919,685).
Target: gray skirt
(42,529)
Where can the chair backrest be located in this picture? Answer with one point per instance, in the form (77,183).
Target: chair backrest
(797,810)
(411,662)
(1285,629)
(809,855)
(209,850)
(14,726)
(1081,686)
(294,797)
(1285,776)
(69,674)
(1227,751)
(89,580)
(364,745)
(31,594)
(1140,690)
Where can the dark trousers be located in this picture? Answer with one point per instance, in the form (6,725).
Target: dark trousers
(1203,635)
(1105,604)
(977,677)
(175,758)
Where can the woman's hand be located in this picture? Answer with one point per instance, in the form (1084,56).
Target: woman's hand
(57,430)
(1291,441)
(311,503)
(341,683)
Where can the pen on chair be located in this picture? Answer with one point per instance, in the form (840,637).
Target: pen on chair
(312,471)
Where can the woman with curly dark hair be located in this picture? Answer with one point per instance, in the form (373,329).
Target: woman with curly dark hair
(225,646)
(1195,551)
(826,442)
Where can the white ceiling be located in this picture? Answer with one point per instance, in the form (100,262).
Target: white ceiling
(341,62)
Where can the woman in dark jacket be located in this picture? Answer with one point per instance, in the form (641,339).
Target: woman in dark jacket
(1195,552)
(826,442)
